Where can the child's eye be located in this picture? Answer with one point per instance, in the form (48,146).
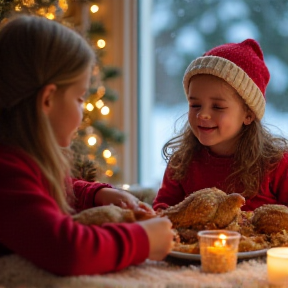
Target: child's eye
(219,107)
(195,106)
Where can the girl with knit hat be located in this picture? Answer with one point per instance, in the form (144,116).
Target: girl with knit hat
(224,144)
(44,75)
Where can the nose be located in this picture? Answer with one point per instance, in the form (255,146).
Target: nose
(202,115)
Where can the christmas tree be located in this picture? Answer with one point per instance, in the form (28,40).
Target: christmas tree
(95,157)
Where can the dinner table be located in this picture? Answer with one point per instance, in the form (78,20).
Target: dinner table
(176,270)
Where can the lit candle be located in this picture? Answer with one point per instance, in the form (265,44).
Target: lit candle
(277,265)
(218,250)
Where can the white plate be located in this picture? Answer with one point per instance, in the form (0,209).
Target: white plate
(241,255)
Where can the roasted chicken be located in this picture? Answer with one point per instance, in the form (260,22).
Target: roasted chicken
(208,208)
(211,208)
(270,218)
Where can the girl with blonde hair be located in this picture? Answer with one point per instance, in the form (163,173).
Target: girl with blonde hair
(44,75)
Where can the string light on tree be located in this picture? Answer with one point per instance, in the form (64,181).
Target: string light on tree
(92,140)
(105,110)
(99,104)
(110,156)
(94,8)
(107,153)
(101,43)
(89,107)
(111,160)
(109,173)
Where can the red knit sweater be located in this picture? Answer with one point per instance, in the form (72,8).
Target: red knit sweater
(207,170)
(32,225)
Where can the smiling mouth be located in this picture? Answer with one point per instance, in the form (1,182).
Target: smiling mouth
(206,128)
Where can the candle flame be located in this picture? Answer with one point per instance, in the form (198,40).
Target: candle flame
(223,236)
(221,242)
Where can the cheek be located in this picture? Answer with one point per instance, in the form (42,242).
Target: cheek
(80,113)
(192,116)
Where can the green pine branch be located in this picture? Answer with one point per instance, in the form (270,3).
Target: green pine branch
(109,133)
(96,28)
(110,72)
(110,95)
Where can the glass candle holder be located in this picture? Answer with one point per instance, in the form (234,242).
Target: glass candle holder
(277,266)
(218,250)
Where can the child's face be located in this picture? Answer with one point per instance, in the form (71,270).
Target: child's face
(216,113)
(66,111)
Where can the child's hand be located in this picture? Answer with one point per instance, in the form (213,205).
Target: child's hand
(120,198)
(123,199)
(160,236)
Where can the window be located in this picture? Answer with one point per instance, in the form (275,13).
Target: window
(174,32)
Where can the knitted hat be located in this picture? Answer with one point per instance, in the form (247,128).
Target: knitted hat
(239,64)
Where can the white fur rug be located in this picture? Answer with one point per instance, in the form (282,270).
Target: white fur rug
(16,272)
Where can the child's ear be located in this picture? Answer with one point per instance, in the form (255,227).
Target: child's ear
(46,94)
(249,118)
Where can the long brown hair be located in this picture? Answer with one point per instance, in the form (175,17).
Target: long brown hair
(34,52)
(258,152)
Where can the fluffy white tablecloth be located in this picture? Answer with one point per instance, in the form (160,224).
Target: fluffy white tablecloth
(17,272)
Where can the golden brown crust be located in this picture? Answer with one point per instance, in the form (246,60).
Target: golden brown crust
(187,248)
(263,228)
(270,218)
(206,208)
(113,214)
(104,214)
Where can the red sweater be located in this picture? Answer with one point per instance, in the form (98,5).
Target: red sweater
(33,226)
(207,170)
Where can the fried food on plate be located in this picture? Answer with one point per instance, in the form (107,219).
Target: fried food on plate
(212,209)
(206,208)
(104,214)
(270,218)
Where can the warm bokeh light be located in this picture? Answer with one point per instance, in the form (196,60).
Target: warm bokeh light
(101,43)
(94,8)
(28,3)
(50,16)
(89,107)
(106,153)
(105,110)
(109,173)
(111,160)
(125,186)
(63,5)
(18,8)
(99,104)
(92,140)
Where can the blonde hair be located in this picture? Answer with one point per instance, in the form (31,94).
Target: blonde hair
(258,152)
(35,52)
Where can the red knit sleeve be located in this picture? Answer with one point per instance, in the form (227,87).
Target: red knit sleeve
(279,181)
(33,226)
(169,194)
(85,193)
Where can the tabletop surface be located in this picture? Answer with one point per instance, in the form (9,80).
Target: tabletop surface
(173,272)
